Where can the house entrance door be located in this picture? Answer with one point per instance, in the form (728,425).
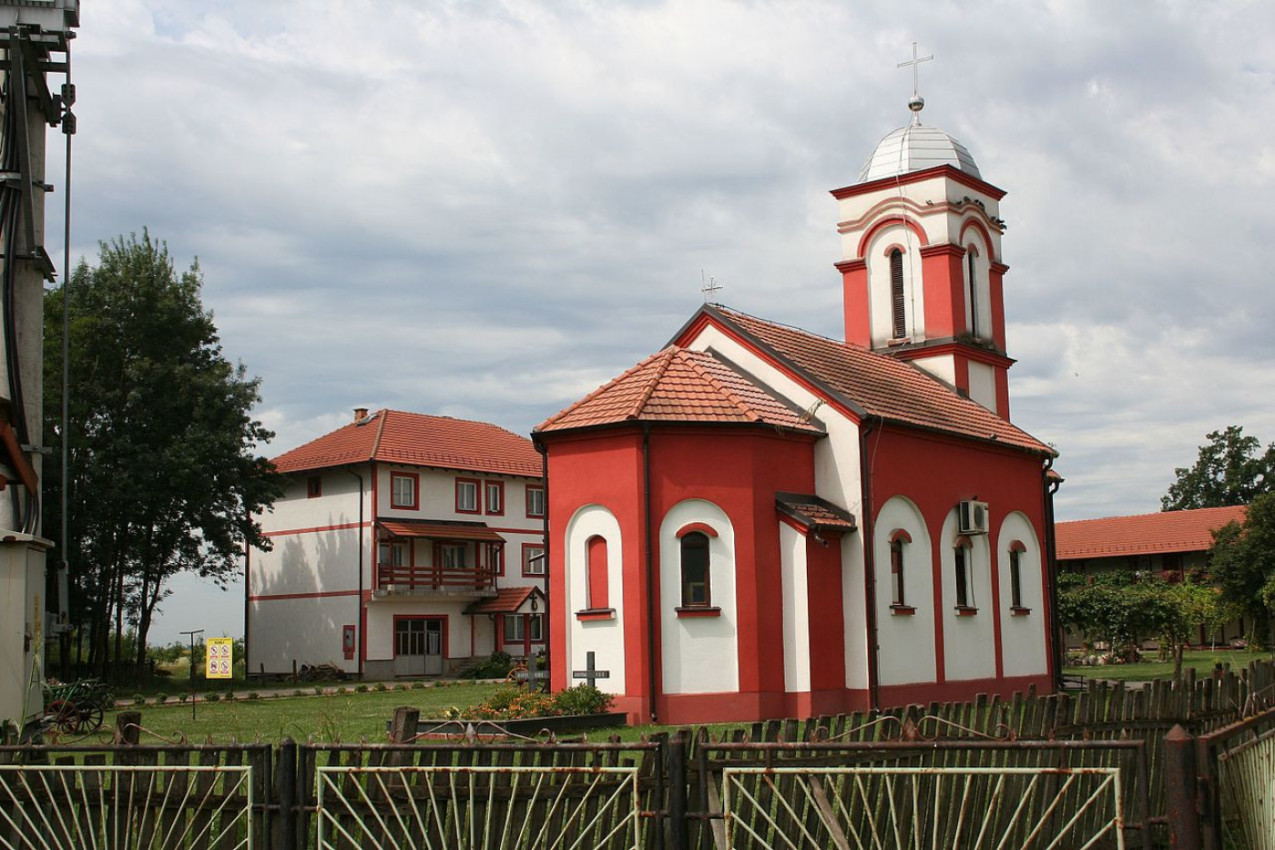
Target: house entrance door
(418,646)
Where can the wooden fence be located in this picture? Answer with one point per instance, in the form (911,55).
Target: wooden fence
(669,791)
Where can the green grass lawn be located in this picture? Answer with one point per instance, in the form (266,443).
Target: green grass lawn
(1202,660)
(346,717)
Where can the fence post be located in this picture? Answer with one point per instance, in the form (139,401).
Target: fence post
(128,728)
(679,824)
(289,811)
(403,728)
(1179,790)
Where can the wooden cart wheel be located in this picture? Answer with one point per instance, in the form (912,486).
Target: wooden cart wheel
(90,719)
(64,715)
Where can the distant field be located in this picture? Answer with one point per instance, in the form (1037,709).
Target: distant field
(1202,660)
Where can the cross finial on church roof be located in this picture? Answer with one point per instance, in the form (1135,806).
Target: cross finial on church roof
(710,286)
(917,103)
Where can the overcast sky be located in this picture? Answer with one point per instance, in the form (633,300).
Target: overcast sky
(486,209)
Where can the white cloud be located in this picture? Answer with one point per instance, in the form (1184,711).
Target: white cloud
(489,209)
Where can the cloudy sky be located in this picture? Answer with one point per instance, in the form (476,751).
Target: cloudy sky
(486,209)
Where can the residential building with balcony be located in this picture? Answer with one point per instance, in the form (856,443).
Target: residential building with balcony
(404,545)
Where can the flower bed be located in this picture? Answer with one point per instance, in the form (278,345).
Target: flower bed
(527,711)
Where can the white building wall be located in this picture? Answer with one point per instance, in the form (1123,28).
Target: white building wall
(796,595)
(906,640)
(700,655)
(305,631)
(1023,637)
(969,642)
(983,384)
(605,638)
(942,367)
(314,558)
(837,479)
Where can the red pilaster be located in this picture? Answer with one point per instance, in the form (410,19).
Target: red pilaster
(854,286)
(944,290)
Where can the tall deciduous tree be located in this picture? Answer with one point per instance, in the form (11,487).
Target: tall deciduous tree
(1232,469)
(164,474)
(1242,562)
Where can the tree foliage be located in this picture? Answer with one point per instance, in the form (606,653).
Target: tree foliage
(1232,469)
(1122,609)
(1242,562)
(164,475)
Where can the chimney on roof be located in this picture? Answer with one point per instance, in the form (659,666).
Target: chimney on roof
(360,413)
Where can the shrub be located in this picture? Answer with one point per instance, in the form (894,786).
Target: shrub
(362,689)
(342,690)
(318,690)
(182,697)
(420,686)
(298,692)
(212,697)
(380,686)
(161,698)
(495,666)
(254,695)
(139,699)
(583,699)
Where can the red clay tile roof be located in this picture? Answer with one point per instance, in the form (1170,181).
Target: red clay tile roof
(875,384)
(677,385)
(440,530)
(1146,534)
(814,512)
(418,439)
(506,601)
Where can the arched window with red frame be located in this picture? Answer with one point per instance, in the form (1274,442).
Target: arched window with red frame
(596,557)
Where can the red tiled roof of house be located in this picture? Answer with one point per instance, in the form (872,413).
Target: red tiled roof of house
(1146,534)
(418,439)
(814,512)
(678,385)
(506,601)
(876,384)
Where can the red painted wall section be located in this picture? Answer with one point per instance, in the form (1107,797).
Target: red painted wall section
(944,290)
(737,469)
(603,468)
(740,470)
(827,625)
(854,286)
(936,472)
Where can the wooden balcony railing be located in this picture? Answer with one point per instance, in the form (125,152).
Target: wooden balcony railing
(443,579)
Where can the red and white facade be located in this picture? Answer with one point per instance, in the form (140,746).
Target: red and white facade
(404,545)
(760,522)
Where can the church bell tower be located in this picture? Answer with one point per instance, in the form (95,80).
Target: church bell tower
(922,272)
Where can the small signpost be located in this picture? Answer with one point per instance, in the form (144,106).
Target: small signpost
(220,660)
(590,673)
(193,695)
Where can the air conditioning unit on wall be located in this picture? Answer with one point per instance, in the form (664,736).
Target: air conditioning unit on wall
(972,517)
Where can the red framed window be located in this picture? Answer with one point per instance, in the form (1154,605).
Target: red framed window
(533,559)
(468,496)
(535,501)
(405,490)
(1016,550)
(314,487)
(596,554)
(962,555)
(494,497)
(896,572)
(695,572)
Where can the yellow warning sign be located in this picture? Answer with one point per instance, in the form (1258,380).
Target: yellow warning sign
(220,658)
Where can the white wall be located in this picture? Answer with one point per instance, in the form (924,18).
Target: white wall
(983,384)
(1023,637)
(969,642)
(604,638)
(305,630)
(700,654)
(906,640)
(796,595)
(880,305)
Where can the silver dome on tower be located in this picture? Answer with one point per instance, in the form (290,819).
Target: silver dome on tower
(916,147)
